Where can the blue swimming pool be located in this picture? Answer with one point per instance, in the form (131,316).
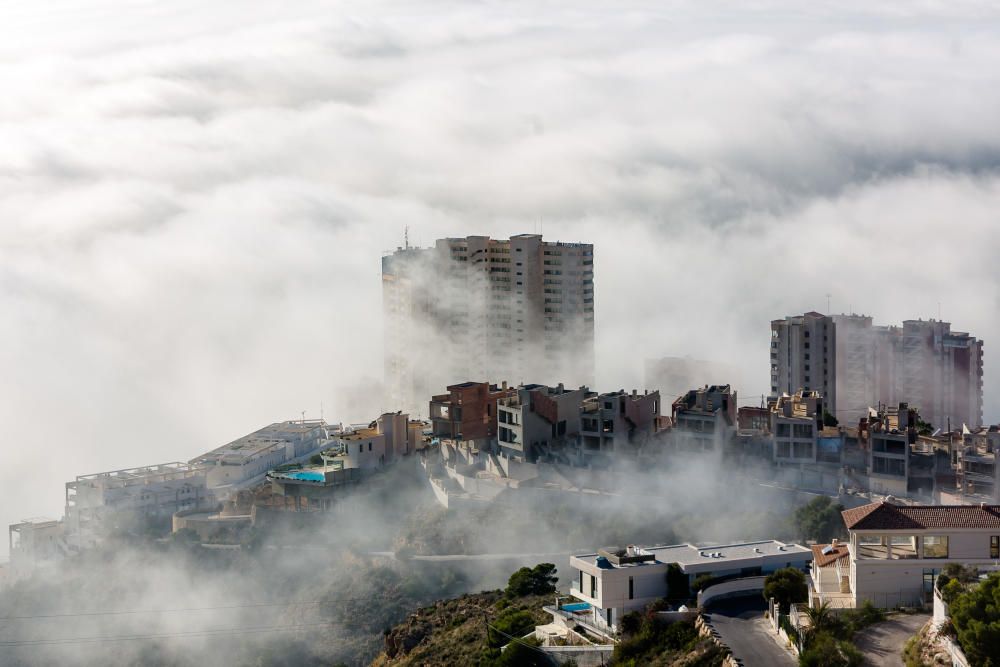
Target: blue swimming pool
(576,606)
(304,475)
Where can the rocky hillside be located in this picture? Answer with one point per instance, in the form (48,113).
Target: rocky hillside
(453,632)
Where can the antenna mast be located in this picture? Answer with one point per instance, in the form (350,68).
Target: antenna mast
(406,237)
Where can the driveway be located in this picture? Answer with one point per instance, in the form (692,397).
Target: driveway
(882,643)
(742,627)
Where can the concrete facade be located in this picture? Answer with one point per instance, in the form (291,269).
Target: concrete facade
(923,363)
(804,356)
(616,581)
(796,422)
(537,419)
(247,459)
(704,419)
(897,551)
(151,491)
(482,307)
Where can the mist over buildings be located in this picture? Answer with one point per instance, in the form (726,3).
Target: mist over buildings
(194,200)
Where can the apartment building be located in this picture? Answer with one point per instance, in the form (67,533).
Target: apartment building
(896,551)
(977,474)
(536,419)
(482,307)
(704,419)
(804,356)
(94,501)
(246,460)
(617,422)
(923,363)
(468,412)
(890,433)
(613,581)
(796,422)
(34,542)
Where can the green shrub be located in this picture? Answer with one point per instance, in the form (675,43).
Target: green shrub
(538,580)
(825,650)
(511,623)
(786,586)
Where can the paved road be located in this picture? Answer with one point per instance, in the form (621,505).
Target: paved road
(743,628)
(882,643)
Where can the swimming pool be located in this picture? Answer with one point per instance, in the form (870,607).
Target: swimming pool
(576,606)
(304,475)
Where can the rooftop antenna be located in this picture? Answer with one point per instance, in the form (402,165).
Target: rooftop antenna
(827,303)
(321,409)
(406,237)
(303,416)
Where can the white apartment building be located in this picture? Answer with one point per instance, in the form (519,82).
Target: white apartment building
(246,460)
(804,356)
(616,581)
(481,307)
(150,491)
(923,363)
(896,551)
(35,542)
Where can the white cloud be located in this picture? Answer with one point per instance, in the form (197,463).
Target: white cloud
(193,199)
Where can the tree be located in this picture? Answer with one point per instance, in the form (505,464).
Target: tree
(825,650)
(677,583)
(820,618)
(819,519)
(786,586)
(316,460)
(829,420)
(538,580)
(976,617)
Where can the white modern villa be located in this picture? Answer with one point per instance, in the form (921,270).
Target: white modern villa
(613,582)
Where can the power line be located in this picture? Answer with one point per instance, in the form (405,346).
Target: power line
(117,612)
(163,635)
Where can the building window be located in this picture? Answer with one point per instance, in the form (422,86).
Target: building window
(631,588)
(935,546)
(995,546)
(593,586)
(609,617)
(369,446)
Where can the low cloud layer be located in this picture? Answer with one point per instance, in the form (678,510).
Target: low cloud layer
(193,199)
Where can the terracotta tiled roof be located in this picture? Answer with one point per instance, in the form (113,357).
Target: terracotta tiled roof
(887,516)
(821,559)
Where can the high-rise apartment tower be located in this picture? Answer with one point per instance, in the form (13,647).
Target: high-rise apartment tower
(477,308)
(804,356)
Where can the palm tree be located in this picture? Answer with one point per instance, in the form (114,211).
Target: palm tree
(820,618)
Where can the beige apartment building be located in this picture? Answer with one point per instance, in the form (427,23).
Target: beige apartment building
(804,356)
(796,422)
(482,307)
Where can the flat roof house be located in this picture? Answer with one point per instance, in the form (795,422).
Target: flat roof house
(616,581)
